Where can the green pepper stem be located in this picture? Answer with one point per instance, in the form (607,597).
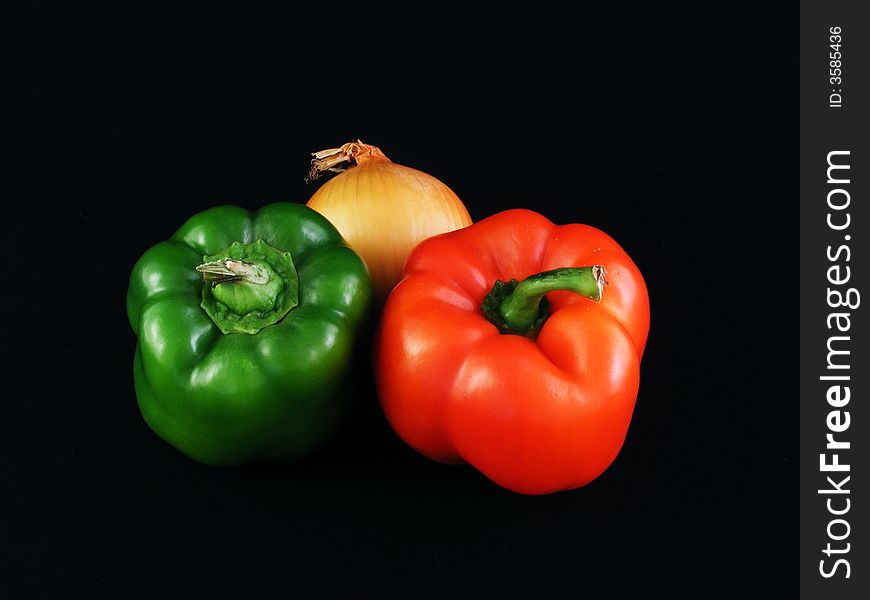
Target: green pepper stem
(521,308)
(247,287)
(222,271)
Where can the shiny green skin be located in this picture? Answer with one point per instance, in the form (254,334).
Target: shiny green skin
(232,398)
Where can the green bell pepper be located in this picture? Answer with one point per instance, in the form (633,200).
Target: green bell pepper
(246,325)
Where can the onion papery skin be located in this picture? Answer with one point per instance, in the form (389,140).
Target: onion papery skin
(383,210)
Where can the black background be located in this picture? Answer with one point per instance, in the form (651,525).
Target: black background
(671,129)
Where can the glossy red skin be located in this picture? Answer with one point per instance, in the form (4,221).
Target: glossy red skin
(533,416)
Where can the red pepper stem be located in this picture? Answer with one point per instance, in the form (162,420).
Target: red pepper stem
(521,308)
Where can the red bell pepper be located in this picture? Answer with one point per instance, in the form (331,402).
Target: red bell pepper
(533,383)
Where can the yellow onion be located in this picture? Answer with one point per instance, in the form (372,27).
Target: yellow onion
(382,209)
